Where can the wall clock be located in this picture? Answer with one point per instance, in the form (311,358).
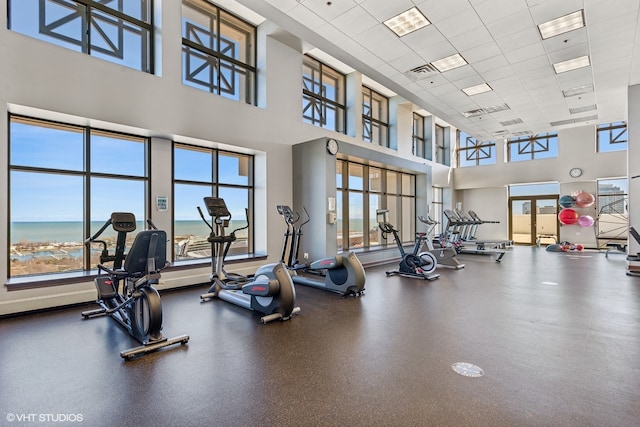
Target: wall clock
(575,172)
(332,146)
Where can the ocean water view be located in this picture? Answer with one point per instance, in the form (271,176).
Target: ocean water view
(72,232)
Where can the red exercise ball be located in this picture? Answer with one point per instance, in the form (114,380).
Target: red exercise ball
(584,199)
(568,216)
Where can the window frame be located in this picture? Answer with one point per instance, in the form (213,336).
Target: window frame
(215,59)
(375,130)
(614,131)
(146,28)
(215,186)
(87,175)
(531,145)
(475,151)
(394,199)
(319,103)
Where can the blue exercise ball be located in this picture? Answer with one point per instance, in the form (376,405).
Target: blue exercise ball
(567,201)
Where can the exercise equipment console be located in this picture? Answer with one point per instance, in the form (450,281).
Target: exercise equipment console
(126,292)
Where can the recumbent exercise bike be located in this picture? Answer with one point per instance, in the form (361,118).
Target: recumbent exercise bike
(126,292)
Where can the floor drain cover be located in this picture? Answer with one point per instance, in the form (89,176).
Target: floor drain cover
(467,369)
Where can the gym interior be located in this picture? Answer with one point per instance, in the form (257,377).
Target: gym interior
(527,315)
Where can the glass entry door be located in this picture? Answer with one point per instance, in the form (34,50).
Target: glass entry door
(533,219)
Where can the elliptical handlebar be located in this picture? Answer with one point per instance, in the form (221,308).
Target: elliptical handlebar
(203,218)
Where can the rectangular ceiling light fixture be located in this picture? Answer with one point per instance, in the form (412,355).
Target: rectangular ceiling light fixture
(562,25)
(475,90)
(572,64)
(449,63)
(583,109)
(578,90)
(407,22)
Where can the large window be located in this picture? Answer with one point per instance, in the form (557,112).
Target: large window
(421,144)
(115,30)
(218,52)
(64,183)
(472,152)
(612,220)
(323,95)
(362,190)
(200,172)
(612,137)
(442,146)
(532,147)
(375,117)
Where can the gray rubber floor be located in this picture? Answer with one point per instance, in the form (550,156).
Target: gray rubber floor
(557,336)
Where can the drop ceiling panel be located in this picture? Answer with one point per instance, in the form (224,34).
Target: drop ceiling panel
(459,23)
(511,24)
(354,21)
(383,10)
(326,11)
(494,11)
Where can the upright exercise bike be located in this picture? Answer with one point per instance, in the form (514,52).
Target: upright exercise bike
(419,265)
(270,292)
(445,254)
(126,292)
(342,274)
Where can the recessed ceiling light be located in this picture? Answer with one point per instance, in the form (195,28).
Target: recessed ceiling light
(474,90)
(562,25)
(572,64)
(578,90)
(449,63)
(407,22)
(583,109)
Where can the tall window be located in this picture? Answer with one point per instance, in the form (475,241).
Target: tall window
(472,152)
(375,117)
(437,209)
(532,147)
(218,51)
(362,190)
(323,95)
(442,147)
(613,216)
(612,137)
(200,172)
(115,30)
(64,183)
(420,140)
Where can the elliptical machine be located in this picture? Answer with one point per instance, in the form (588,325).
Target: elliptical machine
(419,265)
(126,293)
(270,291)
(342,274)
(445,254)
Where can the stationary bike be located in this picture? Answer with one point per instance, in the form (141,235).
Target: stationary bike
(270,292)
(342,274)
(446,255)
(126,293)
(416,264)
